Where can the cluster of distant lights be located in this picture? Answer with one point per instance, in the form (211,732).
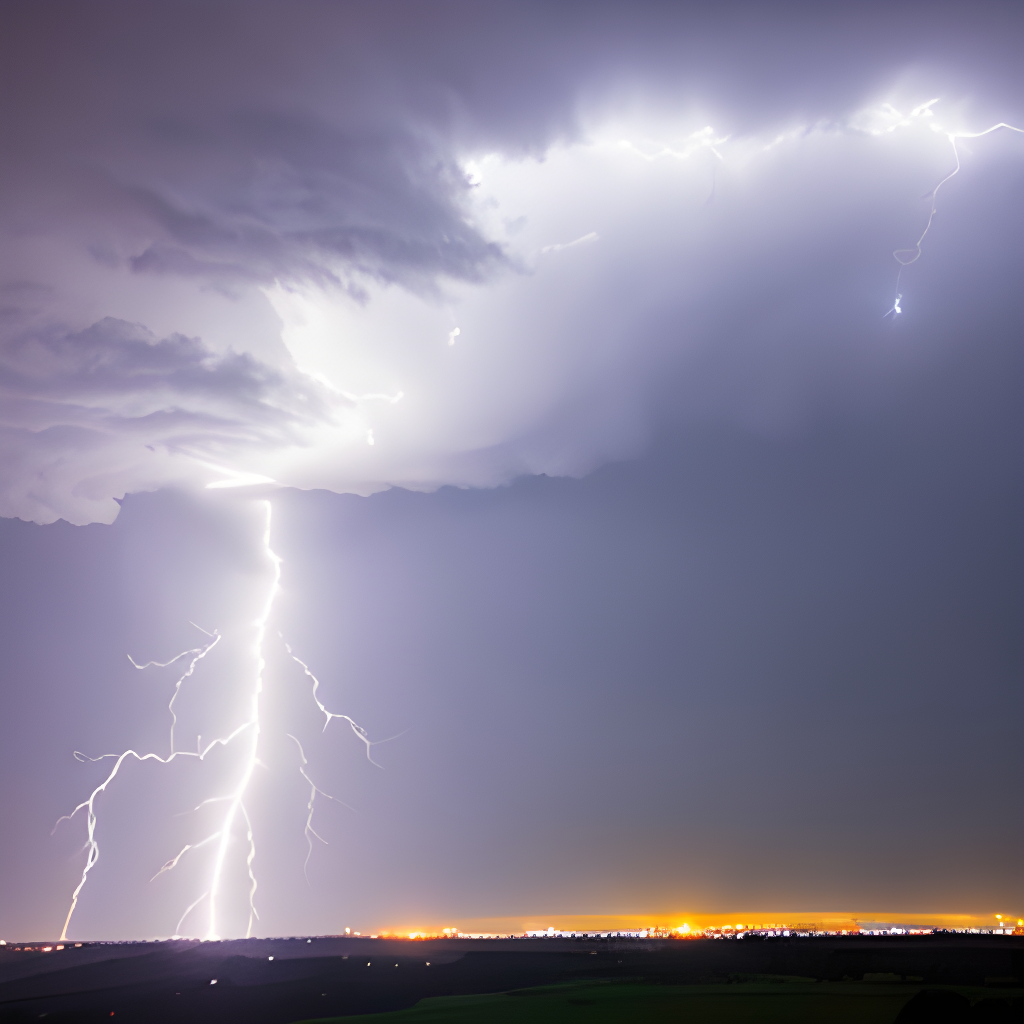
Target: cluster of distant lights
(1003,926)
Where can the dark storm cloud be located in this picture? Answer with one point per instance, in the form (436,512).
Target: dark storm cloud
(113,359)
(279,197)
(236,174)
(115,389)
(179,166)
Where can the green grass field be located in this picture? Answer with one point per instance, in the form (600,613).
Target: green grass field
(785,1002)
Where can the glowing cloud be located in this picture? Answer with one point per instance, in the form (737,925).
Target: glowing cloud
(349,386)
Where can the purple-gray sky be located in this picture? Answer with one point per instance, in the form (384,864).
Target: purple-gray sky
(690,580)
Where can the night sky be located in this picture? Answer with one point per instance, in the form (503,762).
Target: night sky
(679,573)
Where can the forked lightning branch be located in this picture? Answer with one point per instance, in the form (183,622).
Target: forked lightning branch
(221,845)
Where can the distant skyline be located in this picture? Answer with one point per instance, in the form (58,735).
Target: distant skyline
(639,435)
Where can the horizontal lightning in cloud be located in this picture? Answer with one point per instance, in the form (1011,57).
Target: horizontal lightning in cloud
(705,139)
(376,396)
(591,236)
(240,480)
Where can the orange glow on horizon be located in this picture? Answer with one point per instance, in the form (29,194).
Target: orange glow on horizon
(694,924)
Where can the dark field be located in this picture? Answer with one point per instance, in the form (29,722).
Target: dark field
(907,979)
(750,1002)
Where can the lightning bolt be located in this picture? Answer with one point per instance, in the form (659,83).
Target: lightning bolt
(892,120)
(314,791)
(173,862)
(188,910)
(905,257)
(198,654)
(89,805)
(247,733)
(252,726)
(236,807)
(357,729)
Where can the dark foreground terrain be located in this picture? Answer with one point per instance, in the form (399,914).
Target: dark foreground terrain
(909,979)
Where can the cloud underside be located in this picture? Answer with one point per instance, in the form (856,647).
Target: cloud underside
(352,267)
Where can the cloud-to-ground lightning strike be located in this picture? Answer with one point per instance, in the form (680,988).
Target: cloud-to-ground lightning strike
(253,727)
(89,806)
(249,732)
(905,257)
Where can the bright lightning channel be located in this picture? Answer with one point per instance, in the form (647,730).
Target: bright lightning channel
(236,805)
(250,728)
(905,257)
